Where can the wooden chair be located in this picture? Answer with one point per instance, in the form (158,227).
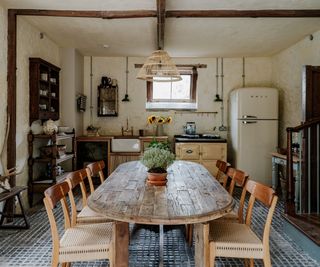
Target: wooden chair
(86,215)
(237,240)
(95,169)
(78,243)
(230,179)
(222,167)
(224,172)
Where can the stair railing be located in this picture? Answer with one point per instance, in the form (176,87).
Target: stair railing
(303,189)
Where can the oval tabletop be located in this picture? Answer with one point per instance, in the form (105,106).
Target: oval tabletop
(191,195)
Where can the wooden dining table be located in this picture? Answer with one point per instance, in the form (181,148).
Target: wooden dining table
(191,196)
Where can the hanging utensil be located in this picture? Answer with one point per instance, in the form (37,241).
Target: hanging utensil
(126,96)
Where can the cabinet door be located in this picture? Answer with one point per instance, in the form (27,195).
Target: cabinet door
(117,159)
(214,151)
(188,151)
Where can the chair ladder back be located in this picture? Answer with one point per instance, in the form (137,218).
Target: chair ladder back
(222,165)
(83,176)
(89,176)
(75,179)
(55,193)
(96,168)
(241,204)
(228,176)
(266,231)
(53,227)
(73,206)
(249,210)
(237,177)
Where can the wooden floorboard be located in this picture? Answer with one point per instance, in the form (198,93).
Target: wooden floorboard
(309,224)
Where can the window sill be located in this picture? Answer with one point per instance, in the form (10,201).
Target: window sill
(171,106)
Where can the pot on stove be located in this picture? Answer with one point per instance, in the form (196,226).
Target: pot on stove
(190,128)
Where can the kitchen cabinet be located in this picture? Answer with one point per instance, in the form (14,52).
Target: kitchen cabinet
(44,90)
(204,153)
(44,167)
(116,158)
(93,148)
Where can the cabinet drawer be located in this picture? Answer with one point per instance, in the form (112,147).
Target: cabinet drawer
(214,151)
(188,151)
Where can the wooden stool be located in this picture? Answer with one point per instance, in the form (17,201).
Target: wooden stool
(4,196)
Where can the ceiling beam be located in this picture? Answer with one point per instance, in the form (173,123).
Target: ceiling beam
(119,14)
(280,13)
(161,16)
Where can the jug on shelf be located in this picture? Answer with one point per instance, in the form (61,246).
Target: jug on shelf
(190,128)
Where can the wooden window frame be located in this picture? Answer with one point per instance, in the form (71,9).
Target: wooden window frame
(193,86)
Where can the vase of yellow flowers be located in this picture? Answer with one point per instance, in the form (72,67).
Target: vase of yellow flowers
(158,122)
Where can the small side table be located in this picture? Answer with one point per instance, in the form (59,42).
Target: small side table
(280,159)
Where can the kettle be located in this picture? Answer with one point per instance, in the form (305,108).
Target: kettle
(190,128)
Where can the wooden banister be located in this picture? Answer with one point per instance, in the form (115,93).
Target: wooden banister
(305,159)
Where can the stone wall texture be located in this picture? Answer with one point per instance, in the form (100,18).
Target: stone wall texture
(287,77)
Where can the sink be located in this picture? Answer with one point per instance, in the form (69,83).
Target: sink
(125,145)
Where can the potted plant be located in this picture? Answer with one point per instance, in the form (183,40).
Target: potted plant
(157,159)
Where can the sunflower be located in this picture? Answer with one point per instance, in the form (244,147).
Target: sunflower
(159,119)
(168,120)
(152,119)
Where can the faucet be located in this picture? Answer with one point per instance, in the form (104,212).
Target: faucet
(127,130)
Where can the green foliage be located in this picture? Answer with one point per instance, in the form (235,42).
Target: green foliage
(157,159)
(161,145)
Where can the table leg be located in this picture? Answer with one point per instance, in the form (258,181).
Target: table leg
(202,249)
(121,244)
(274,174)
(161,245)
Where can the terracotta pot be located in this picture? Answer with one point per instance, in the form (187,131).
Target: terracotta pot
(157,178)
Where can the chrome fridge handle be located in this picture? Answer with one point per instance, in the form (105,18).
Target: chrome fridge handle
(249,117)
(249,122)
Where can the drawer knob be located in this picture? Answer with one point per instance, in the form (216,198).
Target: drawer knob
(189,151)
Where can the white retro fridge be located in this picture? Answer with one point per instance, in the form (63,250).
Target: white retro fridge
(254,130)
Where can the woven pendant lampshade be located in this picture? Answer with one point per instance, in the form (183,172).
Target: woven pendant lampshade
(159,67)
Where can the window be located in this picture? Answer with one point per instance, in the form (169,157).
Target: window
(175,95)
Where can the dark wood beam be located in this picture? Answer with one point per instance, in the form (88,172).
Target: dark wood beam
(284,13)
(161,16)
(11,91)
(121,14)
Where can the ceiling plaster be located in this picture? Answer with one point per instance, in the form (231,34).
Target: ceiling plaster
(184,37)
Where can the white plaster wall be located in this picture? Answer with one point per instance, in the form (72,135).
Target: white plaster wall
(287,76)
(72,84)
(79,61)
(258,73)
(29,44)
(67,73)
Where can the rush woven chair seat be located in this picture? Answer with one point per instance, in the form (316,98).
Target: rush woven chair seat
(237,240)
(78,243)
(86,215)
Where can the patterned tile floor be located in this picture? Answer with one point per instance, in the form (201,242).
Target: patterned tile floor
(33,247)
